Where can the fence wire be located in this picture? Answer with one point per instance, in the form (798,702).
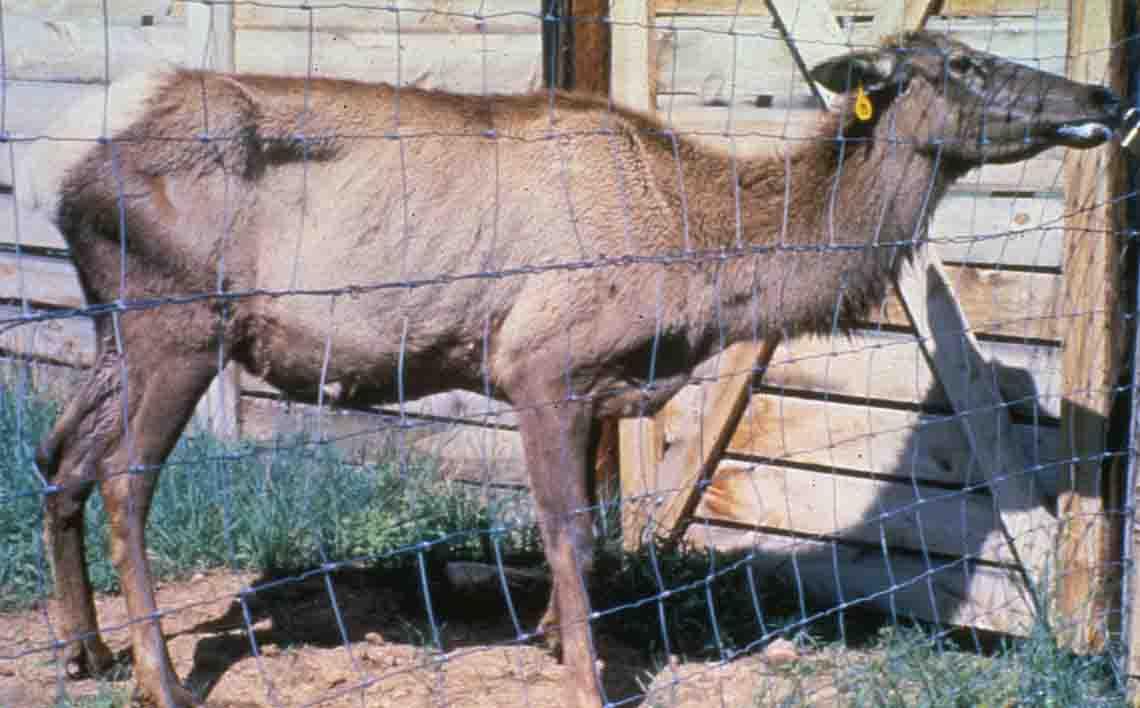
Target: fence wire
(340,539)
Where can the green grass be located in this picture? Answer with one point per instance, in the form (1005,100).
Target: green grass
(909,668)
(276,508)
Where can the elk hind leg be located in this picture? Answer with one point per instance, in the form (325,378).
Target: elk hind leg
(68,459)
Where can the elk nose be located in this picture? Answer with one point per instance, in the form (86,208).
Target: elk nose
(1106,100)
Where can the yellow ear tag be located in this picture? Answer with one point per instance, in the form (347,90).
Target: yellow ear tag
(863,108)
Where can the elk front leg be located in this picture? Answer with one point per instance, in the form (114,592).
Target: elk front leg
(162,396)
(556,438)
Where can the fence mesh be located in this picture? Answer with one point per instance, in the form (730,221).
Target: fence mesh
(929,506)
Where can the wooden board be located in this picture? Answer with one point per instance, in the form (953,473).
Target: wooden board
(863,439)
(39,279)
(999,230)
(478,454)
(467,63)
(907,516)
(32,229)
(76,49)
(1000,302)
(457,406)
(632,54)
(743,56)
(67,341)
(901,584)
(869,7)
(889,367)
(414,16)
(748,55)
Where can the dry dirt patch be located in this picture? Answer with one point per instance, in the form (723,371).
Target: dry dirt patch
(302,658)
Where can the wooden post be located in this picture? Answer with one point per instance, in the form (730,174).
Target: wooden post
(1094,345)
(631,67)
(590,42)
(210,36)
(897,16)
(210,40)
(642,445)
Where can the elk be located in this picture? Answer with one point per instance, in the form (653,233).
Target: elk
(385,244)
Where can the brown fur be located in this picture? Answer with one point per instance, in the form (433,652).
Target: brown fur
(539,247)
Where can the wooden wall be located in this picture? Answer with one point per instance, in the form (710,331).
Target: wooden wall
(846,446)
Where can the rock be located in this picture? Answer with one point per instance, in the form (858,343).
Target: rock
(781,652)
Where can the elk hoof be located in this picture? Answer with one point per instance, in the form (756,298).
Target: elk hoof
(551,635)
(87,658)
(179,695)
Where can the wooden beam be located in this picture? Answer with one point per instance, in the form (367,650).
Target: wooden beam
(210,36)
(812,34)
(696,457)
(956,8)
(210,44)
(631,64)
(1093,353)
(895,16)
(641,447)
(590,48)
(971,384)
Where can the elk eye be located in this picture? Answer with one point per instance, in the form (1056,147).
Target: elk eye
(961,64)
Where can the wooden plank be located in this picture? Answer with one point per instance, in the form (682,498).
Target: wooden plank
(458,406)
(693,460)
(812,34)
(479,454)
(987,230)
(591,46)
(210,36)
(219,410)
(69,340)
(211,44)
(958,8)
(464,63)
(862,439)
(890,367)
(1000,302)
(896,16)
(970,383)
(630,48)
(814,503)
(60,49)
(410,17)
(721,57)
(902,585)
(1094,181)
(39,279)
(744,55)
(1033,38)
(641,446)
(995,7)
(32,228)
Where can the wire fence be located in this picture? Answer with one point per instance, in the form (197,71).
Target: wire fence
(887,481)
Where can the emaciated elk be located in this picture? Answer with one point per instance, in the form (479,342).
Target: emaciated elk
(379,243)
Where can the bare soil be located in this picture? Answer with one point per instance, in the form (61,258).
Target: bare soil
(375,650)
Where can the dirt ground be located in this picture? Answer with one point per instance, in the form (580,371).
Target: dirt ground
(387,660)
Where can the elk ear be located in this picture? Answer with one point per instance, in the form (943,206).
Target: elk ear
(872,70)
